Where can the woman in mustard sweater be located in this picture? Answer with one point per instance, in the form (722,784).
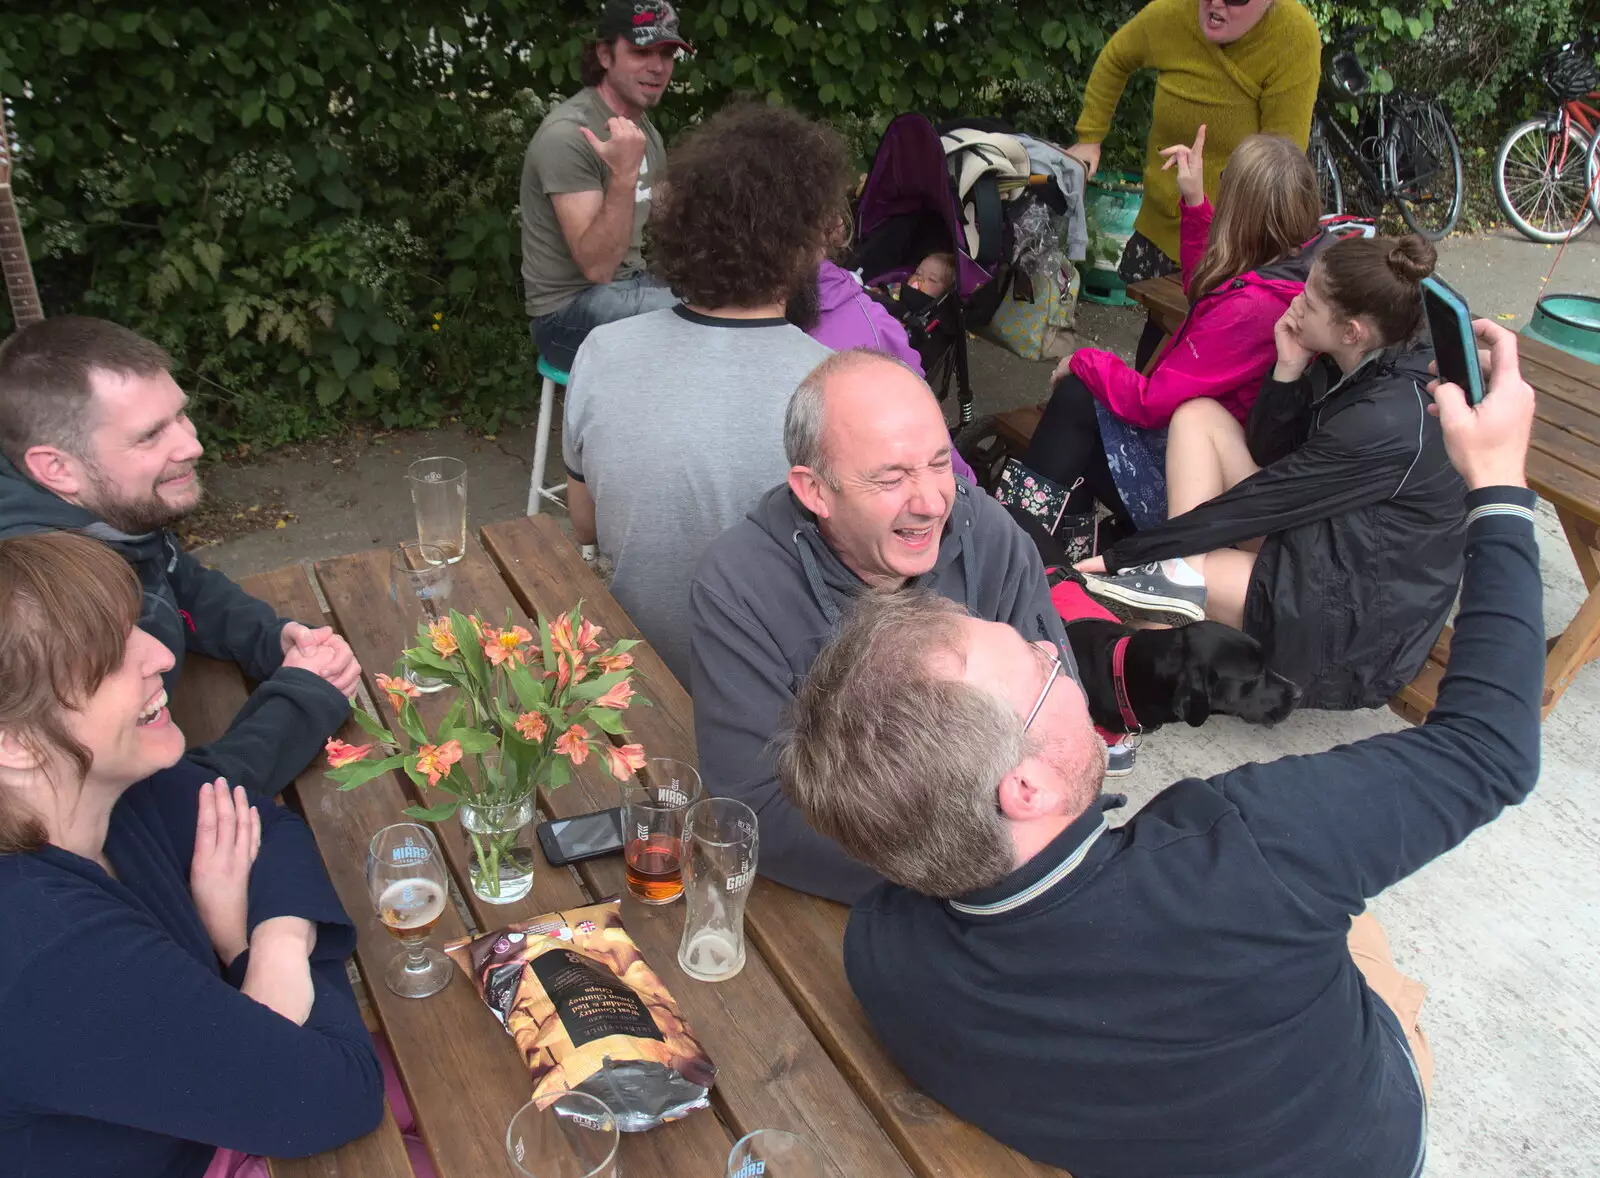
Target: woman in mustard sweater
(1242,67)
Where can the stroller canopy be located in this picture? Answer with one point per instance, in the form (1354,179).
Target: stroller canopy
(908,205)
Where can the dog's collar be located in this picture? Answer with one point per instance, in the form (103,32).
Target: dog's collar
(1119,683)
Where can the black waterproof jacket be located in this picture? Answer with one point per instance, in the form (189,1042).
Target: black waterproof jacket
(281,728)
(1364,523)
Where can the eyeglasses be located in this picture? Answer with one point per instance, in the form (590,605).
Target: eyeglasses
(1049,681)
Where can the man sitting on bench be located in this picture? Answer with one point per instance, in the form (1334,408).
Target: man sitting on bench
(1201,990)
(870,506)
(588,180)
(96,438)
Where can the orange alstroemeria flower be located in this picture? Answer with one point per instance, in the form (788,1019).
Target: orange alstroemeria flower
(574,744)
(561,639)
(621,762)
(398,689)
(617,697)
(341,754)
(435,759)
(442,637)
(499,646)
(614,662)
(531,726)
(588,637)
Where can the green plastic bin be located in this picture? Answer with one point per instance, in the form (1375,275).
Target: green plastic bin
(1570,322)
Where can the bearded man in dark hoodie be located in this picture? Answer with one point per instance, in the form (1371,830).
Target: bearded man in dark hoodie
(95,438)
(870,505)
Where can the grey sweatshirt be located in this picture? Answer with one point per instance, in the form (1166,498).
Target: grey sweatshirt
(767,596)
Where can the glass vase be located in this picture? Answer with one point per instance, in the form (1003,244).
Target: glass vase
(499,848)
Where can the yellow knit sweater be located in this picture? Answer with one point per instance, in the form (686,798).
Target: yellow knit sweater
(1264,81)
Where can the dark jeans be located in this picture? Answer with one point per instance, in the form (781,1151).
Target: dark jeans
(558,334)
(1067,446)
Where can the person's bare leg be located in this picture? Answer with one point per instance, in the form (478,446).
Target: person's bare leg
(1206,454)
(1227,572)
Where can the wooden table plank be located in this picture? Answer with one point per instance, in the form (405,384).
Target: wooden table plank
(461,1074)
(799,936)
(208,696)
(1164,298)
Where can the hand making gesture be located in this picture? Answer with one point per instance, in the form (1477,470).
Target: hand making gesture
(622,150)
(227,838)
(1191,164)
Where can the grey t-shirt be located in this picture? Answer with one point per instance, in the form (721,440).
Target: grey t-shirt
(675,422)
(560,160)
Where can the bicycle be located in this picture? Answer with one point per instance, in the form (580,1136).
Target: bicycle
(1544,172)
(1404,148)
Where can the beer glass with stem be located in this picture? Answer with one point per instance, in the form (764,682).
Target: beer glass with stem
(421,573)
(407,882)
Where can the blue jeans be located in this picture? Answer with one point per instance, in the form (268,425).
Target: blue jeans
(558,334)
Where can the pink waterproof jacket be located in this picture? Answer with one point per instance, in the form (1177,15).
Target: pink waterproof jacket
(1223,350)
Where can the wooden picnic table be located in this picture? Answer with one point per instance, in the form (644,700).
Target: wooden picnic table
(791,1045)
(1563,468)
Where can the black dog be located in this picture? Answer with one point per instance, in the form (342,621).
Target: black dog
(1186,673)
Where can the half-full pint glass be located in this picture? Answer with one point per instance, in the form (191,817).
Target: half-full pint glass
(719,868)
(653,809)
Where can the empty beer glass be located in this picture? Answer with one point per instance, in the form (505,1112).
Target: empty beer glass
(439,493)
(772,1153)
(563,1135)
(421,573)
(719,868)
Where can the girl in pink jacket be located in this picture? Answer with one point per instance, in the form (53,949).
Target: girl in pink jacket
(1106,423)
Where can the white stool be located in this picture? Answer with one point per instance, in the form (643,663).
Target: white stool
(537,492)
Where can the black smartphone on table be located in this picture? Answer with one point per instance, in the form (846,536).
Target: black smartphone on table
(586,836)
(1455,348)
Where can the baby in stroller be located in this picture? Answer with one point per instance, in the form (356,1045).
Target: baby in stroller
(934,275)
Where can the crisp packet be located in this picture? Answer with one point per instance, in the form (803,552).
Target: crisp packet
(588,1014)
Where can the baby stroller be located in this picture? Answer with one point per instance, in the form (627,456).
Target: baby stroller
(909,208)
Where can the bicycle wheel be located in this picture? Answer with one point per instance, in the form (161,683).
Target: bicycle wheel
(1541,179)
(1425,167)
(1327,171)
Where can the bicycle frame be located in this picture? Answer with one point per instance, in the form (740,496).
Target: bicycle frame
(1377,183)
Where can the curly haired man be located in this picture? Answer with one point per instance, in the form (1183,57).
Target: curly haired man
(674,419)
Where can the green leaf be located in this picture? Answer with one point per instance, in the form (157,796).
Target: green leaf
(275,116)
(1413,27)
(345,358)
(439,813)
(867,19)
(385,378)
(285,85)
(372,726)
(1053,33)
(606,719)
(234,317)
(384,330)
(411,723)
(529,688)
(360,772)
(595,688)
(559,773)
(329,389)
(103,34)
(472,741)
(209,254)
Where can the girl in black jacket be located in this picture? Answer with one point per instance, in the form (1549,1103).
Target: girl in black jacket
(1331,527)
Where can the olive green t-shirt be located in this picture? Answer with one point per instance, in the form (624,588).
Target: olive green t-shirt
(560,160)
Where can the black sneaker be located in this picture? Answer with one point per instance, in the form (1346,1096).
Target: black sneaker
(1147,594)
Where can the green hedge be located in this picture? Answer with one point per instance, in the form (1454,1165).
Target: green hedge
(313,205)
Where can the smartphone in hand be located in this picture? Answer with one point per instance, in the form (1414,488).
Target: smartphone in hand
(1455,349)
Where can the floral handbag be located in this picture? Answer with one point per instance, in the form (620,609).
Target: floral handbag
(1046,501)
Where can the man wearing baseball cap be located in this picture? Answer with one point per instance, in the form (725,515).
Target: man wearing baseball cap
(587,180)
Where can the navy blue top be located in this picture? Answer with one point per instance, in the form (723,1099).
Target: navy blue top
(126,1051)
(1175,998)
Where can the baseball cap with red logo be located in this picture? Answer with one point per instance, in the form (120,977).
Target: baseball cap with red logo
(642,23)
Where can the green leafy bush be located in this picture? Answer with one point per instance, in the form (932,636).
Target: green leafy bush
(313,204)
